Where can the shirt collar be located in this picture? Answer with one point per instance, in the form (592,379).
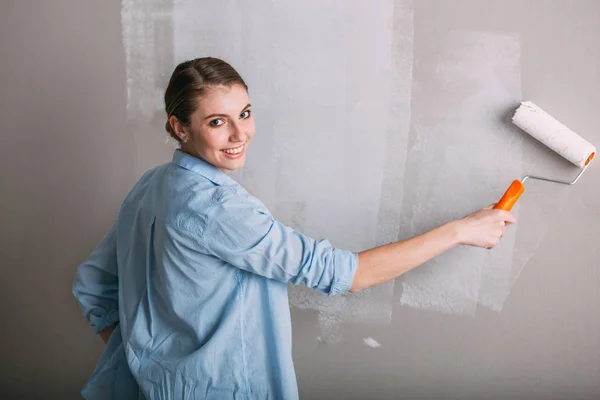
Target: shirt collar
(201,167)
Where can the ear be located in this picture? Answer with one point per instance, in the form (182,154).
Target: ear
(177,126)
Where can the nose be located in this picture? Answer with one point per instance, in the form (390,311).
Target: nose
(237,133)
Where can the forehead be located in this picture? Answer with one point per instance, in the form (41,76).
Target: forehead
(223,100)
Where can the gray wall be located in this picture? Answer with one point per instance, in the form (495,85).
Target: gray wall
(71,148)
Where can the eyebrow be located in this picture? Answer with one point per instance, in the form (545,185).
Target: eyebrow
(225,115)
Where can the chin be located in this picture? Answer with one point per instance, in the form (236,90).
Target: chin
(235,164)
(235,168)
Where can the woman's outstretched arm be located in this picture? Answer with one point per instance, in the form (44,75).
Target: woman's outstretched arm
(483,228)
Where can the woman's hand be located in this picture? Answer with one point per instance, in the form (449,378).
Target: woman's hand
(484,227)
(105,333)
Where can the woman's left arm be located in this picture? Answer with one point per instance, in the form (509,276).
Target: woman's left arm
(96,286)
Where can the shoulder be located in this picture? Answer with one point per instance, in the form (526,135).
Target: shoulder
(234,200)
(178,197)
(236,219)
(198,203)
(190,199)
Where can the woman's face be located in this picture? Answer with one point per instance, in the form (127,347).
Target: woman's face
(221,128)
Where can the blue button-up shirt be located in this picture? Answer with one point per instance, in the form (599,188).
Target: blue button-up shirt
(195,272)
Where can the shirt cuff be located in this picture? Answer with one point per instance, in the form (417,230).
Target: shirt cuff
(345,264)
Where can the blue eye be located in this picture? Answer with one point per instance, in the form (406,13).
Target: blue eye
(249,112)
(215,120)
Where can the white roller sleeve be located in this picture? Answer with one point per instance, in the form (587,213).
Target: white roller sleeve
(553,134)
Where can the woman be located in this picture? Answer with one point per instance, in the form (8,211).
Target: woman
(192,276)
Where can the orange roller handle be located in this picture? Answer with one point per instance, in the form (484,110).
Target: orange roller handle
(511,196)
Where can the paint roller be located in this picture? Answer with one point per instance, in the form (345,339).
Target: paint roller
(556,136)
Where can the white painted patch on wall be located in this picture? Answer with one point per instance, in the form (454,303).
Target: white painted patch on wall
(368,306)
(369,341)
(398,124)
(461,154)
(370,74)
(326,104)
(146,27)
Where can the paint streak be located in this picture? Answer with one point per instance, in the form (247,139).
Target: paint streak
(368,306)
(461,153)
(146,27)
(343,198)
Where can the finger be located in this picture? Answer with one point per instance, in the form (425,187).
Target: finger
(511,219)
(489,207)
(507,217)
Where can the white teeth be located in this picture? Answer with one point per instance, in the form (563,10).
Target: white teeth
(234,151)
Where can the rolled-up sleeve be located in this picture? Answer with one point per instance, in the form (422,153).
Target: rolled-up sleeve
(96,284)
(241,231)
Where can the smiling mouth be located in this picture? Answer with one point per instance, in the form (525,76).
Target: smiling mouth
(236,151)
